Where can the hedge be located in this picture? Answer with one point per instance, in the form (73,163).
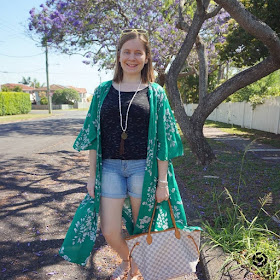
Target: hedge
(14,103)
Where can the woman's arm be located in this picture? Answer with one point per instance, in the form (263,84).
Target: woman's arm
(162,192)
(92,172)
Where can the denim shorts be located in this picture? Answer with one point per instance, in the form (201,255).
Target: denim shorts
(121,178)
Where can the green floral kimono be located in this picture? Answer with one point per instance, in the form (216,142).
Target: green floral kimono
(164,143)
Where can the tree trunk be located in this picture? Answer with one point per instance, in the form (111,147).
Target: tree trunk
(193,132)
(191,127)
(161,79)
(203,67)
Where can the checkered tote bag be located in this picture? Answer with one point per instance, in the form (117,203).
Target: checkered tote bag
(166,254)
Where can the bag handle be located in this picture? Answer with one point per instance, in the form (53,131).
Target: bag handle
(177,232)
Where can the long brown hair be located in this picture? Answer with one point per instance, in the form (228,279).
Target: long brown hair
(147,73)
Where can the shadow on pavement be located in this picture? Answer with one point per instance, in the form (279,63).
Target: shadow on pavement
(43,127)
(38,198)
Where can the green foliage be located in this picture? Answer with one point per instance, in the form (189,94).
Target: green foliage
(44,100)
(25,81)
(257,92)
(241,47)
(14,103)
(17,89)
(32,83)
(65,96)
(5,89)
(189,87)
(241,238)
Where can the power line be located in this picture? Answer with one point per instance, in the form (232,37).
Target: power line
(24,71)
(22,55)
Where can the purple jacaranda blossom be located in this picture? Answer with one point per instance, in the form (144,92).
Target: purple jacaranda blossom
(70,29)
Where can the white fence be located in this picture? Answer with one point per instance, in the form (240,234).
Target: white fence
(54,107)
(265,117)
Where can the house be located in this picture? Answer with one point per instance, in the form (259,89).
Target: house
(82,91)
(24,88)
(35,92)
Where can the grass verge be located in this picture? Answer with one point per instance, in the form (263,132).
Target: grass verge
(23,117)
(227,196)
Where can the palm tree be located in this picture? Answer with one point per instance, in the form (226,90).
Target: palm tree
(25,81)
(36,84)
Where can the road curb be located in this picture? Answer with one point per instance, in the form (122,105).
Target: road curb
(212,259)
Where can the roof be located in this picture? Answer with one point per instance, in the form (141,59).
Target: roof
(79,90)
(52,88)
(23,87)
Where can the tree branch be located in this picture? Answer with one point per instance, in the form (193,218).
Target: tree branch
(232,85)
(186,74)
(121,12)
(252,25)
(182,24)
(203,67)
(214,12)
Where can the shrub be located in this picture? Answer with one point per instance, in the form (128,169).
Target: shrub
(44,100)
(257,92)
(13,103)
(65,96)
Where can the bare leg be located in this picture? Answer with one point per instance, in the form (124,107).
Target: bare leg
(111,226)
(135,204)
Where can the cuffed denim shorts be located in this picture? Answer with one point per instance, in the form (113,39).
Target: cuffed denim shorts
(121,178)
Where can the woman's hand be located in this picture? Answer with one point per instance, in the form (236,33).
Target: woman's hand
(162,193)
(90,186)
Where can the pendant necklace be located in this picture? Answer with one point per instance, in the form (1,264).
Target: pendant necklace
(124,134)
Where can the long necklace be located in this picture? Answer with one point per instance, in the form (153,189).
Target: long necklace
(124,134)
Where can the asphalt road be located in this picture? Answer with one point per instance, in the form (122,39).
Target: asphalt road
(42,181)
(36,136)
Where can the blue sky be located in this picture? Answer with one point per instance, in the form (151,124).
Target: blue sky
(19,55)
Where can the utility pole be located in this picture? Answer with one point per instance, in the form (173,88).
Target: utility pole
(48,85)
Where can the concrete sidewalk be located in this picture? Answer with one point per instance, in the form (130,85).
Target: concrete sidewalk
(263,151)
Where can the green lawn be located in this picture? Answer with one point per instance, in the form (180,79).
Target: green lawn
(227,196)
(23,117)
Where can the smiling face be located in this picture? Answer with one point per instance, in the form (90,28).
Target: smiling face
(132,58)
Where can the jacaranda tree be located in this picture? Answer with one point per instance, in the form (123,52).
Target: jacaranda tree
(92,28)
(183,35)
(192,127)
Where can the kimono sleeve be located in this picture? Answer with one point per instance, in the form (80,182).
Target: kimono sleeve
(87,138)
(169,144)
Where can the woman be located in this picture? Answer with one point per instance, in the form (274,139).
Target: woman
(131,136)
